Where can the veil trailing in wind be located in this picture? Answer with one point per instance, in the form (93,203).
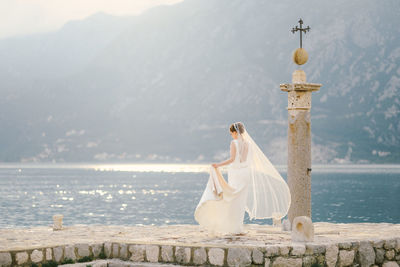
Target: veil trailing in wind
(269,194)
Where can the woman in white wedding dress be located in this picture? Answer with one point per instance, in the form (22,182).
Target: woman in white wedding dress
(254,185)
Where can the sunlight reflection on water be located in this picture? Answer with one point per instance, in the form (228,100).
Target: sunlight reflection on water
(137,194)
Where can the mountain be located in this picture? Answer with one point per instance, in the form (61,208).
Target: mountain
(165,85)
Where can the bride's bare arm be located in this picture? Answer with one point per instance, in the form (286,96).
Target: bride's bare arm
(228,161)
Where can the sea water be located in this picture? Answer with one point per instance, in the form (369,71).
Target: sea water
(168,194)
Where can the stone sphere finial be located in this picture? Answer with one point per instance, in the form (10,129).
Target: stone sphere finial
(300,56)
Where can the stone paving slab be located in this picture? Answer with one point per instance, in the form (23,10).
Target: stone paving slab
(13,239)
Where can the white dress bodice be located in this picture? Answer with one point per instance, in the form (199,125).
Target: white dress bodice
(241,159)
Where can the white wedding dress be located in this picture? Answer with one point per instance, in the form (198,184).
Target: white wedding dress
(222,205)
(254,185)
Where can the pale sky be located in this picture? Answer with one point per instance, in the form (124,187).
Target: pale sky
(20,17)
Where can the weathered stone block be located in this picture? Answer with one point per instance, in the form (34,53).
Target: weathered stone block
(96,249)
(239,257)
(167,254)
(49,255)
(308,261)
(182,255)
(287,262)
(152,253)
(302,229)
(366,254)
(115,250)
(398,245)
(271,250)
(345,245)
(379,255)
(284,250)
(390,264)
(346,257)
(216,256)
(57,222)
(58,253)
(379,243)
(107,249)
(355,244)
(21,257)
(199,256)
(312,249)
(390,244)
(37,256)
(69,253)
(258,256)
(5,259)
(83,250)
(390,254)
(267,262)
(123,252)
(276,222)
(298,250)
(137,252)
(331,255)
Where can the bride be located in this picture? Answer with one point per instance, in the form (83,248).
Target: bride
(254,185)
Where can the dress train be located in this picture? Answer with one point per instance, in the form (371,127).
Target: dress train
(222,206)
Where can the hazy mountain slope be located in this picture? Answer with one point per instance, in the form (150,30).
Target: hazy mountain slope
(168,86)
(60,53)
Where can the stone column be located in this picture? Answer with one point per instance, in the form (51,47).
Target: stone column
(299,143)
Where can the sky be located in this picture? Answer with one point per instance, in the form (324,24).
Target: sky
(21,17)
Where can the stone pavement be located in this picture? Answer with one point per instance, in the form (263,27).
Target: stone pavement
(365,244)
(188,235)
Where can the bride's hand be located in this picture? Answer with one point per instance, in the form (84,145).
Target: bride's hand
(215,165)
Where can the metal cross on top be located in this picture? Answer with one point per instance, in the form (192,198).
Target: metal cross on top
(301,29)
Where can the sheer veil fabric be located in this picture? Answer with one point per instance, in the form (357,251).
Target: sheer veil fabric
(254,185)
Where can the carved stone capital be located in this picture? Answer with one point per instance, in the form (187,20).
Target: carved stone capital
(287,87)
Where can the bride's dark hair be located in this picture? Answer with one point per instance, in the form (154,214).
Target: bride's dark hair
(239,126)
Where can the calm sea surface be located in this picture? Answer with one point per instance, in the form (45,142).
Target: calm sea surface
(168,194)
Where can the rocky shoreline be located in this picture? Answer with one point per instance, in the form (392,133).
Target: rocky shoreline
(357,244)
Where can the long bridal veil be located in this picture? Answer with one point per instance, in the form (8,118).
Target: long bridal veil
(269,194)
